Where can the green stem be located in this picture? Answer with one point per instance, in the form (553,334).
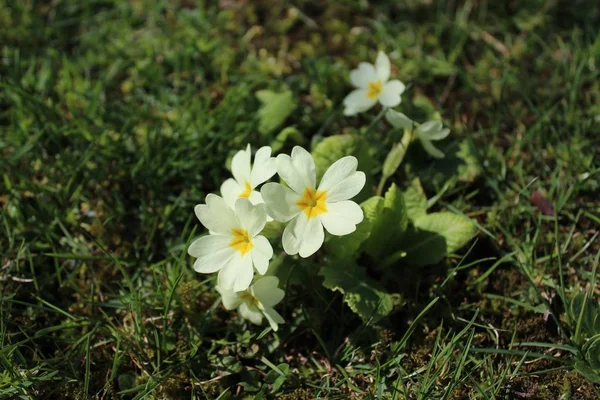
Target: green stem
(394,159)
(393,258)
(376,120)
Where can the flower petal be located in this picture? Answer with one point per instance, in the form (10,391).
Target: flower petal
(364,74)
(398,120)
(273,317)
(208,244)
(240,165)
(230,190)
(213,253)
(347,188)
(432,130)
(313,237)
(382,66)
(216,215)
(264,167)
(252,218)
(357,101)
(237,274)
(266,291)
(230,299)
(342,217)
(431,149)
(261,253)
(280,201)
(338,171)
(390,94)
(250,313)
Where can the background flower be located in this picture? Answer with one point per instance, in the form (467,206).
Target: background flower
(233,246)
(311,208)
(426,132)
(256,302)
(372,86)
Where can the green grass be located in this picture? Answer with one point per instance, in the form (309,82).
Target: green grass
(117,117)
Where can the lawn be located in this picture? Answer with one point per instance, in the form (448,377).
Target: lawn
(118,117)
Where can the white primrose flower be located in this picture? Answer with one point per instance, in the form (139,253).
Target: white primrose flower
(373,85)
(426,132)
(311,207)
(256,302)
(233,246)
(247,177)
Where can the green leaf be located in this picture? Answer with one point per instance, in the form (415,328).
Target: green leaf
(363,295)
(436,235)
(289,133)
(332,148)
(389,226)
(587,372)
(276,107)
(592,353)
(415,200)
(346,246)
(588,308)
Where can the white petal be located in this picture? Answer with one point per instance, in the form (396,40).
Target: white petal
(398,120)
(208,244)
(304,165)
(338,171)
(382,66)
(432,130)
(280,201)
(342,217)
(255,198)
(390,94)
(348,188)
(273,317)
(237,274)
(313,238)
(252,218)
(364,74)
(266,291)
(303,236)
(357,101)
(216,215)
(240,166)
(290,240)
(264,167)
(229,298)
(230,190)
(431,149)
(252,314)
(215,261)
(261,253)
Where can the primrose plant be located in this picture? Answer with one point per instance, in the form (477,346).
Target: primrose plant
(315,195)
(234,246)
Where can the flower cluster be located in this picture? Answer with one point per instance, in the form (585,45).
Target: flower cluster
(373,85)
(234,247)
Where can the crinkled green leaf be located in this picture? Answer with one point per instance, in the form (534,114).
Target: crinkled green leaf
(389,226)
(592,353)
(276,107)
(436,235)
(288,134)
(587,372)
(346,246)
(363,295)
(332,148)
(415,200)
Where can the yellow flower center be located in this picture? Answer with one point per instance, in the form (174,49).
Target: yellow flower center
(312,202)
(249,298)
(246,193)
(374,89)
(241,241)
